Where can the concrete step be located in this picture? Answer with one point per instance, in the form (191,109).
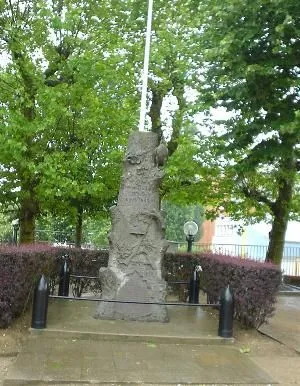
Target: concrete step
(61,361)
(74,319)
(193,325)
(112,337)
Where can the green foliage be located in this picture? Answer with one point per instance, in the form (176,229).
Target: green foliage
(191,172)
(96,231)
(61,229)
(70,90)
(5,228)
(251,69)
(61,147)
(72,66)
(176,216)
(55,229)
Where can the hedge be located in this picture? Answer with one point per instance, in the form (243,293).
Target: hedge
(86,262)
(254,284)
(20,268)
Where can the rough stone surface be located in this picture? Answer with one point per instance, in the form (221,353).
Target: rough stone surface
(137,238)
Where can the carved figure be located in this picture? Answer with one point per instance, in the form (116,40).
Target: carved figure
(133,159)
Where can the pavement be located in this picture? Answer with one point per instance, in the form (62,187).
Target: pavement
(77,349)
(284,326)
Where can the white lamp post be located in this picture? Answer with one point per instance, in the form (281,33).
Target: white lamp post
(146,67)
(190,229)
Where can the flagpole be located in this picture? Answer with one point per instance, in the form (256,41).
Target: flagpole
(146,68)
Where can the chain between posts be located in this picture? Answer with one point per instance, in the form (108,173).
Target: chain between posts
(41,295)
(135,302)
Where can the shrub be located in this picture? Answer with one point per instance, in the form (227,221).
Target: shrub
(20,268)
(84,262)
(292,280)
(254,284)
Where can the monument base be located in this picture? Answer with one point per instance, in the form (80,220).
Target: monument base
(133,290)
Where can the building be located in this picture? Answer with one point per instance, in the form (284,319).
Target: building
(230,237)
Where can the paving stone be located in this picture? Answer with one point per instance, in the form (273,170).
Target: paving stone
(284,326)
(75,355)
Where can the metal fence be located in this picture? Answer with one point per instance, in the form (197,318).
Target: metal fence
(291,254)
(55,237)
(59,238)
(290,263)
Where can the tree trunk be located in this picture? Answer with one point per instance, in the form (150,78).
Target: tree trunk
(281,216)
(155,111)
(178,92)
(29,206)
(277,238)
(28,213)
(78,231)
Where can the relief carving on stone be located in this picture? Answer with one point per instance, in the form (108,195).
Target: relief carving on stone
(137,237)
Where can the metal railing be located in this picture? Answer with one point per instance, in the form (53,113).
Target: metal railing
(59,238)
(291,254)
(290,263)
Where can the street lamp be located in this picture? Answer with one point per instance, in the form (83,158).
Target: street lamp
(15,225)
(190,229)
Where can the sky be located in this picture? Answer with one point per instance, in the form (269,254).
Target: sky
(293,231)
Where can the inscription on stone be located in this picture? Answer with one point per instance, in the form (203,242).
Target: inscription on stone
(137,238)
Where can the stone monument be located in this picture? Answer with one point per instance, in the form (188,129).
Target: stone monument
(136,240)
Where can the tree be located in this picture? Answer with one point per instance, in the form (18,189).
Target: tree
(174,62)
(251,56)
(63,61)
(71,65)
(176,216)
(87,159)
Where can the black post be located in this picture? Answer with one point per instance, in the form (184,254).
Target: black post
(64,277)
(226,313)
(40,304)
(189,239)
(15,235)
(15,226)
(194,287)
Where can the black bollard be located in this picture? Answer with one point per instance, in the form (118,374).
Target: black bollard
(64,277)
(194,286)
(40,304)
(226,313)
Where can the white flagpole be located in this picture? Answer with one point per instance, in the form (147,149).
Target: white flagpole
(146,67)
